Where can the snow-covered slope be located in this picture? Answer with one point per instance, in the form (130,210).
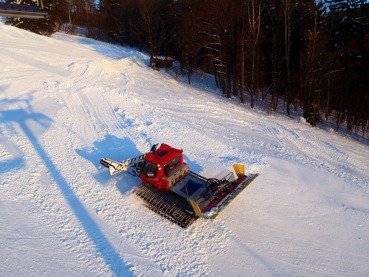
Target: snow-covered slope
(66,102)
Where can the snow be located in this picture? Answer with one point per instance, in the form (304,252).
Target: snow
(67,101)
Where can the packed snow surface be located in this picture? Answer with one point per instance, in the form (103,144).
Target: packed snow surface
(66,102)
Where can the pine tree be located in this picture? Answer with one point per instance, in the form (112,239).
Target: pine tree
(346,29)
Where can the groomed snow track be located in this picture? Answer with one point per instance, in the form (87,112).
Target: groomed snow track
(66,101)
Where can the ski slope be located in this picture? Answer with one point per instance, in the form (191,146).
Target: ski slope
(66,102)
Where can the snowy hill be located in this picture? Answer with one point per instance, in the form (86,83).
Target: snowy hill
(66,102)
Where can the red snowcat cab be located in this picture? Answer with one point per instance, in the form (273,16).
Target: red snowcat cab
(163,168)
(172,190)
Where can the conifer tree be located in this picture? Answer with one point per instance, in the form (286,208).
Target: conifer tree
(346,29)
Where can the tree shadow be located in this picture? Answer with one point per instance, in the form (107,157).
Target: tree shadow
(102,244)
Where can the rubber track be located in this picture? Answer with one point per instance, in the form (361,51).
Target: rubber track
(167,204)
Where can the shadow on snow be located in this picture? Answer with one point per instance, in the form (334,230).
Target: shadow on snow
(103,246)
(116,149)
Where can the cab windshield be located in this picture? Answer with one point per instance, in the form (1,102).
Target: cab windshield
(149,169)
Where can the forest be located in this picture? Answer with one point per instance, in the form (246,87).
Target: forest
(298,54)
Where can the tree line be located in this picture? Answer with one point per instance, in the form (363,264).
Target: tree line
(304,54)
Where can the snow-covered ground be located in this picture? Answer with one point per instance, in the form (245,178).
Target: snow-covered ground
(66,102)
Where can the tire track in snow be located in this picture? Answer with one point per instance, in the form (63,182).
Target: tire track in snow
(75,124)
(187,122)
(41,189)
(315,151)
(206,132)
(84,120)
(135,125)
(130,218)
(84,106)
(308,149)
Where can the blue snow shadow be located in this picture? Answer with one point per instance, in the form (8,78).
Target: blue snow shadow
(116,149)
(111,147)
(16,163)
(17,160)
(195,167)
(102,244)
